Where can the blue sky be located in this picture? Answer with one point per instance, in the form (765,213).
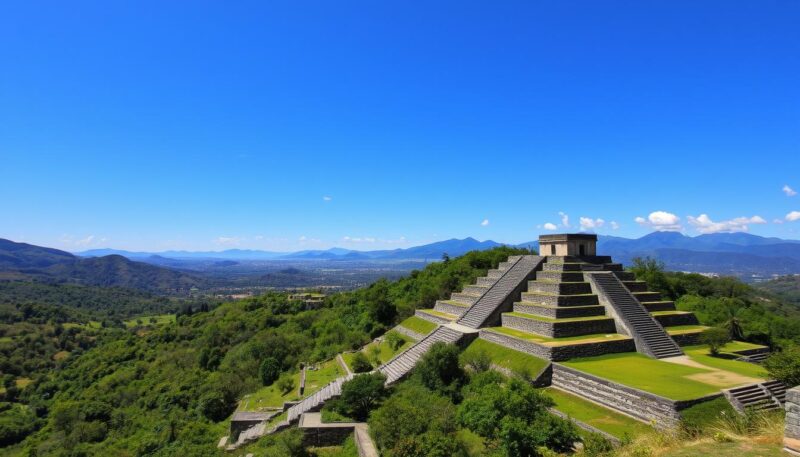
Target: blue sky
(200,125)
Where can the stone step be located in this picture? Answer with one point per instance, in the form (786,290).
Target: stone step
(654,306)
(559,288)
(567,276)
(624,275)
(647,296)
(676,318)
(503,266)
(450,307)
(475,290)
(436,318)
(562,266)
(494,274)
(559,328)
(557,312)
(465,298)
(560,300)
(487,282)
(635,286)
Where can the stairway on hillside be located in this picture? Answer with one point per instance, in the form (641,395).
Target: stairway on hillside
(758,397)
(503,292)
(648,333)
(399,366)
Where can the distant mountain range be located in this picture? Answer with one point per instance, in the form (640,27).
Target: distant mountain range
(739,254)
(21,261)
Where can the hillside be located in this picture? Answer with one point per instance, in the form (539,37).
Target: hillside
(786,287)
(20,261)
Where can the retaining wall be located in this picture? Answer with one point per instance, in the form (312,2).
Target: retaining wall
(663,412)
(791,439)
(559,353)
(559,329)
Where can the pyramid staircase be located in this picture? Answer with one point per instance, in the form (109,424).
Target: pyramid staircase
(650,336)
(402,364)
(758,397)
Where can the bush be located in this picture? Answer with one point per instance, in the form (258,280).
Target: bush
(785,366)
(395,340)
(269,371)
(15,424)
(716,338)
(361,395)
(215,407)
(479,361)
(285,384)
(439,369)
(360,363)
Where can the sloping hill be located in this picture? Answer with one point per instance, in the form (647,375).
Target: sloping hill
(20,261)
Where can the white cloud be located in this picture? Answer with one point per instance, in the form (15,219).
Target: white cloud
(564,219)
(788,191)
(614,225)
(485,222)
(793,216)
(704,224)
(587,223)
(327,198)
(777,221)
(349,239)
(88,241)
(661,221)
(228,241)
(550,226)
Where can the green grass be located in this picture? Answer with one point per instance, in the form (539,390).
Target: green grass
(725,361)
(160,319)
(333,416)
(667,379)
(707,413)
(597,416)
(734,346)
(90,324)
(564,319)
(535,338)
(515,361)
(438,313)
(419,325)
(385,355)
(271,396)
(681,329)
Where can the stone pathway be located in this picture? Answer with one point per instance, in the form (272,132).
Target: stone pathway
(343,364)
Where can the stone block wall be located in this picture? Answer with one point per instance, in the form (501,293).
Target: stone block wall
(555,312)
(559,329)
(791,438)
(326,436)
(559,353)
(430,317)
(687,339)
(671,320)
(639,404)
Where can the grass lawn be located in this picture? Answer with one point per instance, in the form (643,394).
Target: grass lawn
(508,358)
(271,397)
(439,314)
(597,416)
(160,319)
(681,329)
(667,379)
(386,351)
(725,361)
(419,325)
(535,338)
(745,448)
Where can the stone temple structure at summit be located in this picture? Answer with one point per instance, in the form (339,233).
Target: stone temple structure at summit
(569,303)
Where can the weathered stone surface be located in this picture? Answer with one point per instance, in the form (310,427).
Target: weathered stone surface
(672,320)
(431,317)
(558,312)
(687,339)
(560,300)
(558,329)
(643,405)
(792,433)
(559,353)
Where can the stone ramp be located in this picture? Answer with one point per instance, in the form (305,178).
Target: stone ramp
(400,365)
(650,336)
(503,293)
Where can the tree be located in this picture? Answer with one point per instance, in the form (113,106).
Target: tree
(733,325)
(785,366)
(361,395)
(652,272)
(716,338)
(439,369)
(269,371)
(395,340)
(360,363)
(215,406)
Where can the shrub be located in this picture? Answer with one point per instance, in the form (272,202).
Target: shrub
(478,361)
(361,395)
(716,338)
(269,371)
(439,369)
(394,340)
(785,366)
(360,363)
(285,384)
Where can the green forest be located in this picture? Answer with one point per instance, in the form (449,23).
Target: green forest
(77,383)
